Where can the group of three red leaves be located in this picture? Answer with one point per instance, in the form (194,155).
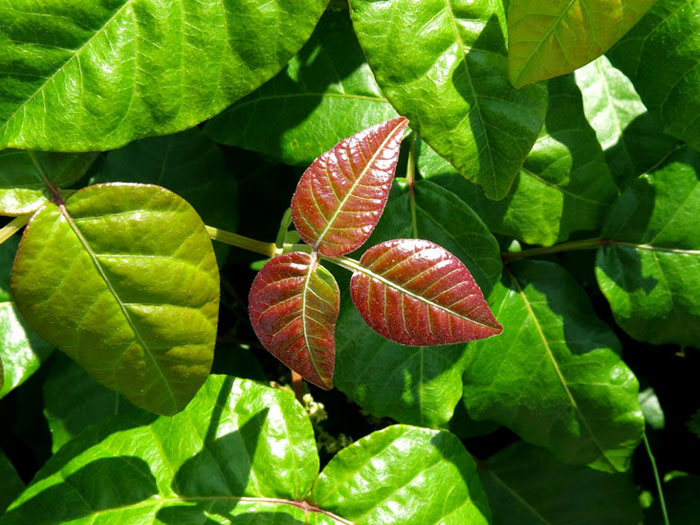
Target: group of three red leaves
(410,291)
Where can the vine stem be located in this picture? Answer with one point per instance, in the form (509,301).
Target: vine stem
(585,244)
(13,226)
(263,248)
(411,181)
(659,489)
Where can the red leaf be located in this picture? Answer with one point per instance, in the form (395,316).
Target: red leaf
(293,304)
(415,292)
(341,196)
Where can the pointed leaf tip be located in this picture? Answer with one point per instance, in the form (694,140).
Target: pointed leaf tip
(415,292)
(293,304)
(341,196)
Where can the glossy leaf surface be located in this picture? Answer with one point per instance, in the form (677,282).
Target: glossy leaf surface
(563,186)
(438,485)
(527,485)
(554,376)
(661,56)
(551,38)
(341,196)
(293,305)
(326,93)
(95,75)
(651,408)
(628,133)
(415,292)
(22,189)
(123,279)
(649,269)
(243,452)
(10,483)
(420,385)
(444,67)
(21,350)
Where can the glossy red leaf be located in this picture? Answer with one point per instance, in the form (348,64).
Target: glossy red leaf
(341,196)
(293,304)
(415,292)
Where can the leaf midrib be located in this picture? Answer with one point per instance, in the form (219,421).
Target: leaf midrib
(517,496)
(139,339)
(265,98)
(313,262)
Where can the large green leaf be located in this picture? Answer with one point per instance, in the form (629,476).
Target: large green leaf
(682,502)
(85,75)
(22,189)
(245,453)
(629,134)
(414,385)
(326,93)
(10,483)
(564,185)
(551,38)
(649,265)
(442,64)
(526,485)
(554,376)
(123,279)
(21,350)
(661,56)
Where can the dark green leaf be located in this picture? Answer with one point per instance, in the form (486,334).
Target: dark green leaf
(326,93)
(564,185)
(551,38)
(651,408)
(21,350)
(21,187)
(629,134)
(528,486)
(443,65)
(682,502)
(124,280)
(414,385)
(95,75)
(10,483)
(649,267)
(554,376)
(661,56)
(694,423)
(245,453)
(437,481)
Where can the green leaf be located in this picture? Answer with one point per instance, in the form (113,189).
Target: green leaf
(243,452)
(73,401)
(22,189)
(547,39)
(414,385)
(661,57)
(682,502)
(694,423)
(651,408)
(628,133)
(21,350)
(443,65)
(124,280)
(649,265)
(554,376)
(10,483)
(92,76)
(326,93)
(564,185)
(433,465)
(528,486)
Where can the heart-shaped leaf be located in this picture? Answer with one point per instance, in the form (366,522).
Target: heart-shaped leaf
(123,278)
(341,196)
(415,292)
(293,304)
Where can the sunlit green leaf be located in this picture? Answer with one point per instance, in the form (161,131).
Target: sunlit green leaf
(443,65)
(554,376)
(326,93)
(651,408)
(124,280)
(85,75)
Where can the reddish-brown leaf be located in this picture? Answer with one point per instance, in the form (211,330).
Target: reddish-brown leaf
(293,305)
(415,292)
(341,196)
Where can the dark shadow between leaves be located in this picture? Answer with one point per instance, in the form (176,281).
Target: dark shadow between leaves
(98,486)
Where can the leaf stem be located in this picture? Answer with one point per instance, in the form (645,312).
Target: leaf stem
(263,248)
(284,227)
(662,501)
(411,181)
(13,226)
(56,196)
(585,244)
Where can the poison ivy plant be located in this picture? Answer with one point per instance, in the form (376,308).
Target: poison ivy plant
(10,483)
(242,448)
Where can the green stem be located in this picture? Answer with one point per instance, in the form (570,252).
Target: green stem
(264,248)
(585,244)
(13,226)
(284,227)
(662,501)
(411,181)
